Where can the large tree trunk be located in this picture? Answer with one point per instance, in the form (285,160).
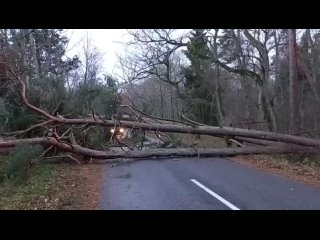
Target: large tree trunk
(262,142)
(245,83)
(171,104)
(161,100)
(164,153)
(19,42)
(206,130)
(178,128)
(294,84)
(218,97)
(264,98)
(34,54)
(314,66)
(277,65)
(266,109)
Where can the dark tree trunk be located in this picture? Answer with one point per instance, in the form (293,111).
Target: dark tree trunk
(295,118)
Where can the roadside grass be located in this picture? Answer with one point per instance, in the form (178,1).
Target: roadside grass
(299,163)
(303,168)
(50,186)
(29,193)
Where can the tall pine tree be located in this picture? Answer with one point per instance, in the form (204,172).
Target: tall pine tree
(199,80)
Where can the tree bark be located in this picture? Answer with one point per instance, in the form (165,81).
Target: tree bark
(218,98)
(264,99)
(205,130)
(34,54)
(262,142)
(312,80)
(171,104)
(161,99)
(294,84)
(177,128)
(165,153)
(245,84)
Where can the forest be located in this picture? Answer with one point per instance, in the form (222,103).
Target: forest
(257,89)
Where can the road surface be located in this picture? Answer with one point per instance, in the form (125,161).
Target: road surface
(200,184)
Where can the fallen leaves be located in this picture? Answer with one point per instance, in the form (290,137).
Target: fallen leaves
(304,172)
(69,187)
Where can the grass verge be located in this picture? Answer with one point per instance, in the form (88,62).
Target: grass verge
(52,187)
(305,169)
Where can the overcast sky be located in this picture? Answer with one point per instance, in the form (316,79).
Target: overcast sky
(106,40)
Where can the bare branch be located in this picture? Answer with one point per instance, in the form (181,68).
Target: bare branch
(191,121)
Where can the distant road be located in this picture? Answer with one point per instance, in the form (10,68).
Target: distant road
(200,184)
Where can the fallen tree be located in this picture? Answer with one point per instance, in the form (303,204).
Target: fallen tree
(170,127)
(162,152)
(205,130)
(262,142)
(273,143)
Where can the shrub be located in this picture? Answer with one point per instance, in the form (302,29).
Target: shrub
(96,137)
(19,163)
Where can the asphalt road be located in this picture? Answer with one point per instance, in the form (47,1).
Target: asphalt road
(205,184)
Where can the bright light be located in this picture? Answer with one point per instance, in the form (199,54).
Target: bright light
(112,130)
(121,130)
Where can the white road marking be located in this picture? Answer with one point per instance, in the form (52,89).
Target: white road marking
(221,199)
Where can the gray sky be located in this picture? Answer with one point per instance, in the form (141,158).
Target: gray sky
(107,41)
(104,39)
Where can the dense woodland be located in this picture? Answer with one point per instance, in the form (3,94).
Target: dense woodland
(262,79)
(228,77)
(55,82)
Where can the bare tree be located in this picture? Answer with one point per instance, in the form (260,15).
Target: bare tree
(294,84)
(92,61)
(257,51)
(238,68)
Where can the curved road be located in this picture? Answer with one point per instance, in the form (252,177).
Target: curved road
(205,184)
